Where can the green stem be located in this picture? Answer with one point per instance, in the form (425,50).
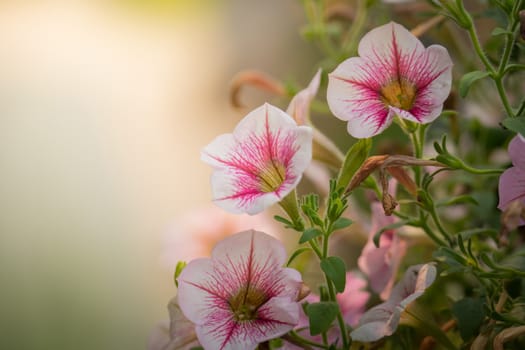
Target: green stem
(429,231)
(331,291)
(296,339)
(439,225)
(477,45)
(350,43)
(481,171)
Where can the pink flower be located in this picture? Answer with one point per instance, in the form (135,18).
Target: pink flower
(242,296)
(393,75)
(381,263)
(190,236)
(353,299)
(179,334)
(260,162)
(382,320)
(512,181)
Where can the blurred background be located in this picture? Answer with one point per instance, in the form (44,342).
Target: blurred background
(104,107)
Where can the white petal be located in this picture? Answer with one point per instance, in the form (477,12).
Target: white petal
(259,246)
(386,43)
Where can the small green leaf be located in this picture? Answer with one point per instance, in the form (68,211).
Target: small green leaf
(450,256)
(178,269)
(282,220)
(296,254)
(335,270)
(469,78)
(355,156)
(470,314)
(458,200)
(393,226)
(500,31)
(341,223)
(309,234)
(516,124)
(321,315)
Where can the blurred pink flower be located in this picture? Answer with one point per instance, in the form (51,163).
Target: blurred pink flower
(512,182)
(382,320)
(242,295)
(195,232)
(393,75)
(381,263)
(260,162)
(353,299)
(178,334)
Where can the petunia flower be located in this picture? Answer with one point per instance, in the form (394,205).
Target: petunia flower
(178,334)
(242,295)
(394,75)
(260,162)
(382,320)
(380,264)
(512,182)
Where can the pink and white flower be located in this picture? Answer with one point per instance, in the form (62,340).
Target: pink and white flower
(260,162)
(242,295)
(393,75)
(381,263)
(382,320)
(512,182)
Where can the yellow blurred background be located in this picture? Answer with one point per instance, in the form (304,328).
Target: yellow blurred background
(104,107)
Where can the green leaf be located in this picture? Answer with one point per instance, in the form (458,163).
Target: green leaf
(449,256)
(355,156)
(393,226)
(296,254)
(469,313)
(335,270)
(178,269)
(458,200)
(516,124)
(341,223)
(309,234)
(321,315)
(282,220)
(469,78)
(500,31)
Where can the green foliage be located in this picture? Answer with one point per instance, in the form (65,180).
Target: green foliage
(470,314)
(321,316)
(335,269)
(468,79)
(355,156)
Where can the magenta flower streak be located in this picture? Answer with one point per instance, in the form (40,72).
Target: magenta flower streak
(393,75)
(260,163)
(242,296)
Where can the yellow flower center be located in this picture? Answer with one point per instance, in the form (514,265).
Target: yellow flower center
(246,302)
(271,176)
(399,93)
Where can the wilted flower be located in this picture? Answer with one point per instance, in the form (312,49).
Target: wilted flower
(178,334)
(382,320)
(512,182)
(381,263)
(260,162)
(242,296)
(393,75)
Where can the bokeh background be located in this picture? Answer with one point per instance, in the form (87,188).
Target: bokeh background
(104,107)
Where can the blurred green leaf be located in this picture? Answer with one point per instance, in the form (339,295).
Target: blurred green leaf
(516,124)
(341,223)
(469,313)
(468,79)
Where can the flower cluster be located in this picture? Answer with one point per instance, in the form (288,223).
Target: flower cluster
(372,283)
